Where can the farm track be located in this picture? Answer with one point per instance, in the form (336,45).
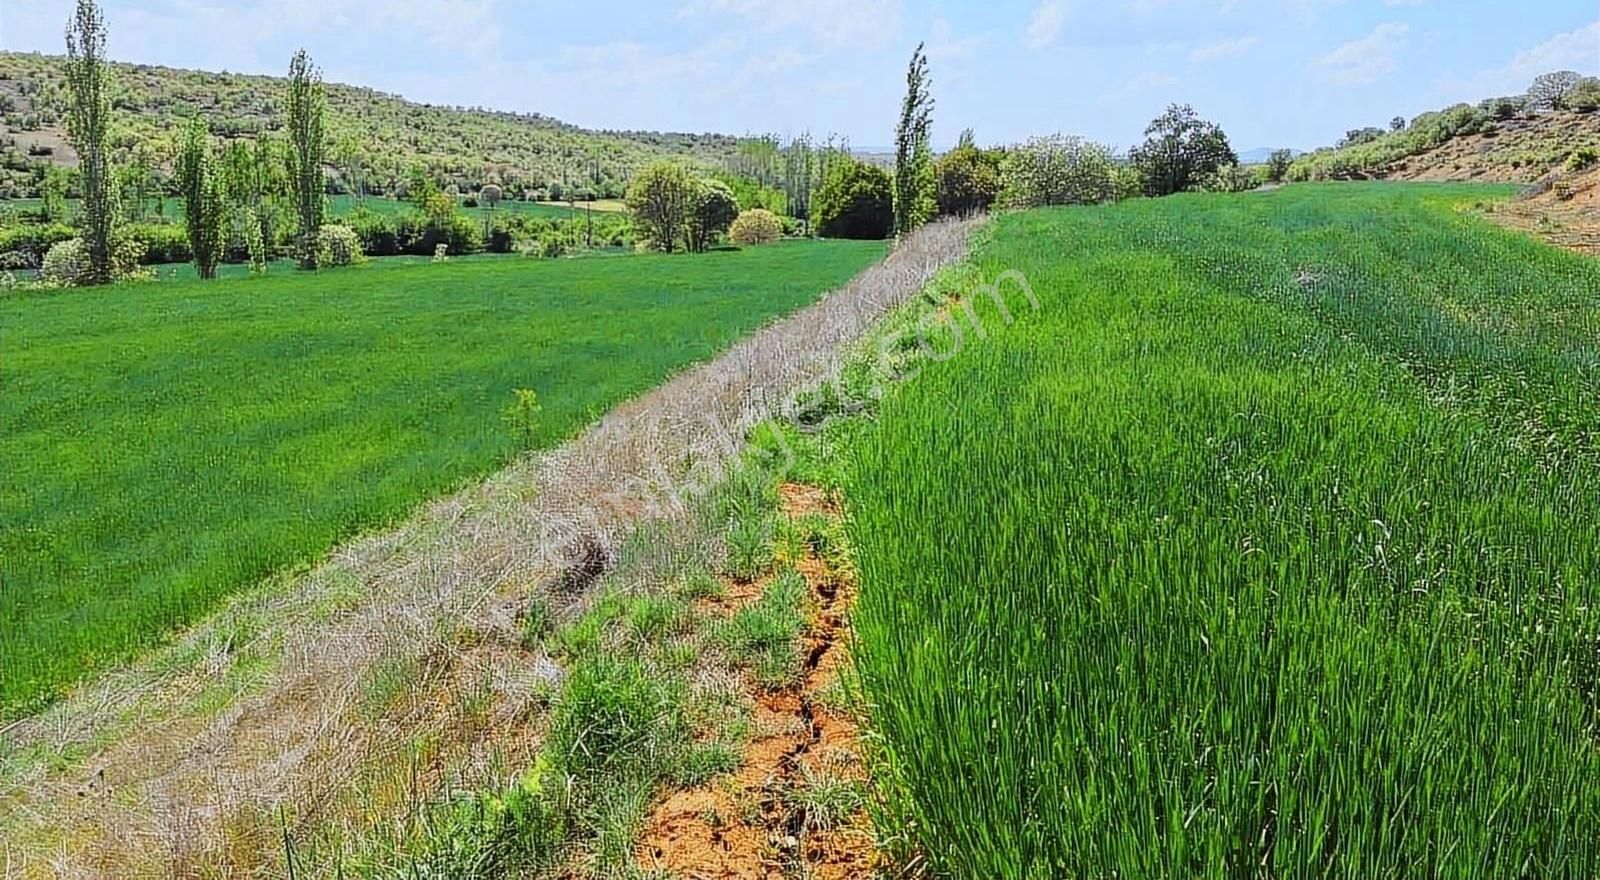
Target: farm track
(309,695)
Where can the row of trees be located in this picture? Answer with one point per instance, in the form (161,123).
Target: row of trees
(1181,152)
(234,187)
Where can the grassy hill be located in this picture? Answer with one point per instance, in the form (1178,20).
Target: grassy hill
(464,146)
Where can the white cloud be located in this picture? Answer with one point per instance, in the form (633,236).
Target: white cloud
(834,23)
(1364,61)
(1223,49)
(1046,23)
(1575,50)
(944,45)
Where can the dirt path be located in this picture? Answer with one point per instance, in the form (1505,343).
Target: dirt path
(334,694)
(767,820)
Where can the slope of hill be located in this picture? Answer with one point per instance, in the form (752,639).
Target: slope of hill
(1461,143)
(377,137)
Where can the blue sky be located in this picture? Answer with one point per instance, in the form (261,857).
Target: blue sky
(1273,72)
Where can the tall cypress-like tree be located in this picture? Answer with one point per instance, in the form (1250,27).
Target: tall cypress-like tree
(88,127)
(913,199)
(306,104)
(205,209)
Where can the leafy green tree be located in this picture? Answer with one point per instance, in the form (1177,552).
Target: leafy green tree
(420,186)
(352,162)
(967,178)
(88,127)
(1584,97)
(663,199)
(306,104)
(715,209)
(205,208)
(53,193)
(913,189)
(256,186)
(1549,91)
(1058,170)
(856,200)
(135,184)
(1278,165)
(1181,149)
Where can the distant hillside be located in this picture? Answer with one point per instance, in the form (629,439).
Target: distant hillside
(376,137)
(1483,143)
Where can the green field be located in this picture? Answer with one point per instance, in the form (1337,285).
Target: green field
(166,445)
(1268,547)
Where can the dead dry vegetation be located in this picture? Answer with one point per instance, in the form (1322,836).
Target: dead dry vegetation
(329,720)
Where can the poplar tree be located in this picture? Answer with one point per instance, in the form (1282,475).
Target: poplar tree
(912,157)
(205,209)
(306,104)
(88,127)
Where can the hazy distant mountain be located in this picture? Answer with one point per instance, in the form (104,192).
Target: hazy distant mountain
(1259,155)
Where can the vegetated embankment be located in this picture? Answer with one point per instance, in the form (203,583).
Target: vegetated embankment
(348,689)
(1267,547)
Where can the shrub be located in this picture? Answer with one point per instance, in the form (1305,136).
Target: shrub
(967,179)
(338,245)
(1585,97)
(379,234)
(1503,108)
(1180,150)
(35,239)
(856,201)
(162,243)
(756,226)
(11,261)
(67,263)
(1230,179)
(1058,170)
(1582,158)
(715,209)
(1278,165)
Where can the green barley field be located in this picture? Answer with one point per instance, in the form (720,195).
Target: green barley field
(166,445)
(1269,546)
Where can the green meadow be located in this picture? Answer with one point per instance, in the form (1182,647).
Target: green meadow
(169,444)
(1269,546)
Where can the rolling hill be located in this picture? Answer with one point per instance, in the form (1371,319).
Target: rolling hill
(377,137)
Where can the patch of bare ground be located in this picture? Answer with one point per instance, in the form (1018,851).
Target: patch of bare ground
(371,681)
(1563,209)
(792,809)
(1521,150)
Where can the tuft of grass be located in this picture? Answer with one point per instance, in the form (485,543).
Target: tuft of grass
(764,636)
(538,621)
(825,798)
(698,583)
(750,547)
